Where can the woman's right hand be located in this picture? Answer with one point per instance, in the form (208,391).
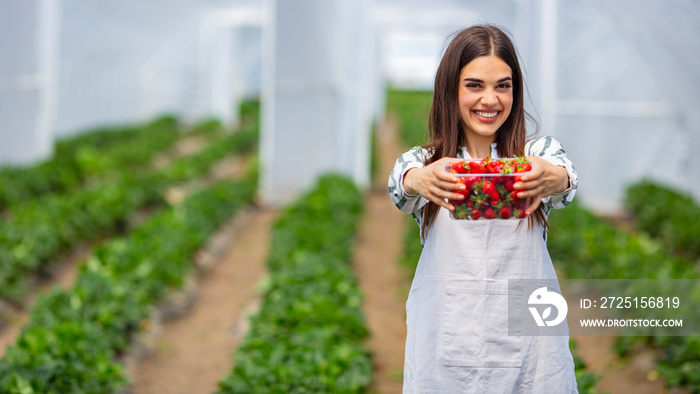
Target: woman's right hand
(434,183)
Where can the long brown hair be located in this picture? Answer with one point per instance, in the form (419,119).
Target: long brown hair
(445,124)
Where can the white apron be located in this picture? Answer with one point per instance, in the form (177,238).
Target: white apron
(457,313)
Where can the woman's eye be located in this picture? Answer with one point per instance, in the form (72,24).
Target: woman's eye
(473,85)
(504,86)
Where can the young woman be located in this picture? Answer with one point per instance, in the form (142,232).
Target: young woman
(457,308)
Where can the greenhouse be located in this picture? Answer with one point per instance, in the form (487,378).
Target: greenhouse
(193,194)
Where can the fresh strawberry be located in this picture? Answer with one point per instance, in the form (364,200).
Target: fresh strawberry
(523,165)
(490,189)
(522,207)
(476,214)
(487,187)
(476,168)
(508,183)
(519,213)
(510,167)
(513,197)
(469,181)
(459,167)
(494,167)
(489,213)
(505,212)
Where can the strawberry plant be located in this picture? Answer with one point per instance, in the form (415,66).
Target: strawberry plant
(308,334)
(36,232)
(666,214)
(411,109)
(108,151)
(587,247)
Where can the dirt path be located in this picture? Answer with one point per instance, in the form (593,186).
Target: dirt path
(383,282)
(195,351)
(636,376)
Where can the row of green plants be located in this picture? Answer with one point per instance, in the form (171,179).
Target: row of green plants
(586,246)
(98,153)
(79,159)
(308,335)
(36,232)
(76,338)
(671,216)
(411,109)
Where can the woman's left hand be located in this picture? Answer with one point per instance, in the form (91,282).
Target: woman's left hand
(542,181)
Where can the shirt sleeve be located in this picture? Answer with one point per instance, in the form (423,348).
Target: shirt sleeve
(407,203)
(549,149)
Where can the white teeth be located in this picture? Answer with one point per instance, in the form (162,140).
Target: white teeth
(486,114)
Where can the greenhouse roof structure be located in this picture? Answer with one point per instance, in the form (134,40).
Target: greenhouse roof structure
(616,82)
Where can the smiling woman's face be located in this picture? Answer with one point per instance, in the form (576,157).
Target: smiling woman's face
(485,96)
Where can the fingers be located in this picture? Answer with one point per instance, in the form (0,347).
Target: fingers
(536,172)
(534,192)
(435,184)
(533,206)
(450,185)
(440,175)
(528,189)
(439,195)
(439,198)
(442,186)
(535,182)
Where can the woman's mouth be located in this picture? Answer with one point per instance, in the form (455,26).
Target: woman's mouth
(486,116)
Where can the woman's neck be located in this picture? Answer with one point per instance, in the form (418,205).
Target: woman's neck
(479,146)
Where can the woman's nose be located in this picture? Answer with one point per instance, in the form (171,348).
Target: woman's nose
(489,97)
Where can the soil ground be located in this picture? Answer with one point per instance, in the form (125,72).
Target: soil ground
(195,351)
(383,282)
(634,376)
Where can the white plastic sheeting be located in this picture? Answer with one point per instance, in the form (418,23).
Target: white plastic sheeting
(627,93)
(28,44)
(130,60)
(317,95)
(616,82)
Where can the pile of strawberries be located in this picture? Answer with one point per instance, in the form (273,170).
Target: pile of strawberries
(489,192)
